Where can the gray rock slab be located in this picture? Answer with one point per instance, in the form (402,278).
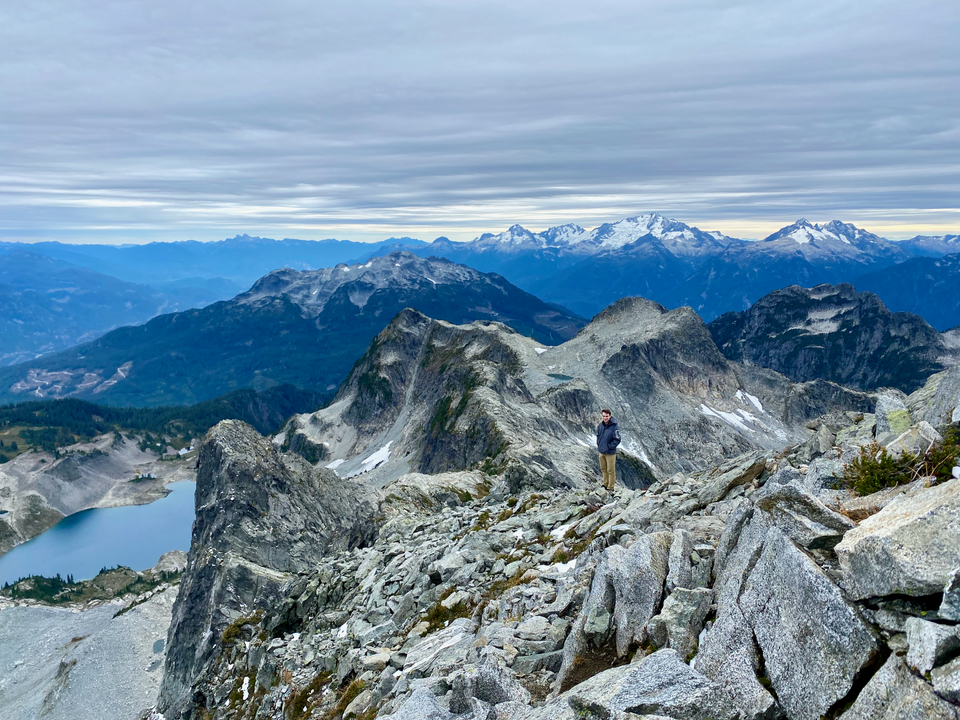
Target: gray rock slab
(441,650)
(64,664)
(910,547)
(804,519)
(728,656)
(661,684)
(637,577)
(526,664)
(950,605)
(739,471)
(930,643)
(946,681)
(680,621)
(489,683)
(893,693)
(681,570)
(813,642)
(421,705)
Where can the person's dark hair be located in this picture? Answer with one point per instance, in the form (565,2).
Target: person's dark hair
(606,411)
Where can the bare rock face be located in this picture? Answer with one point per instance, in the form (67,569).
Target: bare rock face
(895,694)
(813,641)
(834,333)
(432,397)
(910,547)
(261,518)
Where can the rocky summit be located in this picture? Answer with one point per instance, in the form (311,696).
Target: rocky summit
(433,397)
(461,570)
(836,333)
(761,587)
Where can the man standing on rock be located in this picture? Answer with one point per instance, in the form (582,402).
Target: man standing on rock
(608,437)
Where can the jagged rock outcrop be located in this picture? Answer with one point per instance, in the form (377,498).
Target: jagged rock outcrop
(261,518)
(433,397)
(835,333)
(717,594)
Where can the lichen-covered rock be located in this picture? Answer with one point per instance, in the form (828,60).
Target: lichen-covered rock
(892,415)
(917,440)
(910,547)
(813,642)
(893,693)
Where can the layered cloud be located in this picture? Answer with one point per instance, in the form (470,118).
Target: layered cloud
(130,121)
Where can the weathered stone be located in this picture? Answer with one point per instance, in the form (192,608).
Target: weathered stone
(661,684)
(813,642)
(440,651)
(377,661)
(489,683)
(916,441)
(680,573)
(421,705)
(930,643)
(950,605)
(261,517)
(627,584)
(728,656)
(359,704)
(785,476)
(804,519)
(739,471)
(859,509)
(892,415)
(911,547)
(946,680)
(679,623)
(526,664)
(894,694)
(822,475)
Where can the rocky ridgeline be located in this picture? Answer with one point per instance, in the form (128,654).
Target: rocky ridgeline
(755,589)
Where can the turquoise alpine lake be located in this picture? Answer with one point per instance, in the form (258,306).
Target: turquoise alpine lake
(84,543)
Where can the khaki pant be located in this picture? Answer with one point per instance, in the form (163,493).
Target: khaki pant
(608,466)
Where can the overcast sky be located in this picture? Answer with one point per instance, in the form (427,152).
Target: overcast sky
(136,121)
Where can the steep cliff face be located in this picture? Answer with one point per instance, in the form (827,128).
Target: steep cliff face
(433,397)
(835,333)
(261,518)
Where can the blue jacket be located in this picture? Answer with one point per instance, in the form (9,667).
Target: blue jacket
(608,437)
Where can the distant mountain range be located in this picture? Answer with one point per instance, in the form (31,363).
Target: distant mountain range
(48,304)
(676,264)
(305,328)
(584,270)
(242,259)
(927,286)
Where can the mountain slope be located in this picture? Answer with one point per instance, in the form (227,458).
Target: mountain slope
(48,304)
(303,328)
(433,397)
(932,245)
(926,286)
(799,254)
(834,333)
(644,268)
